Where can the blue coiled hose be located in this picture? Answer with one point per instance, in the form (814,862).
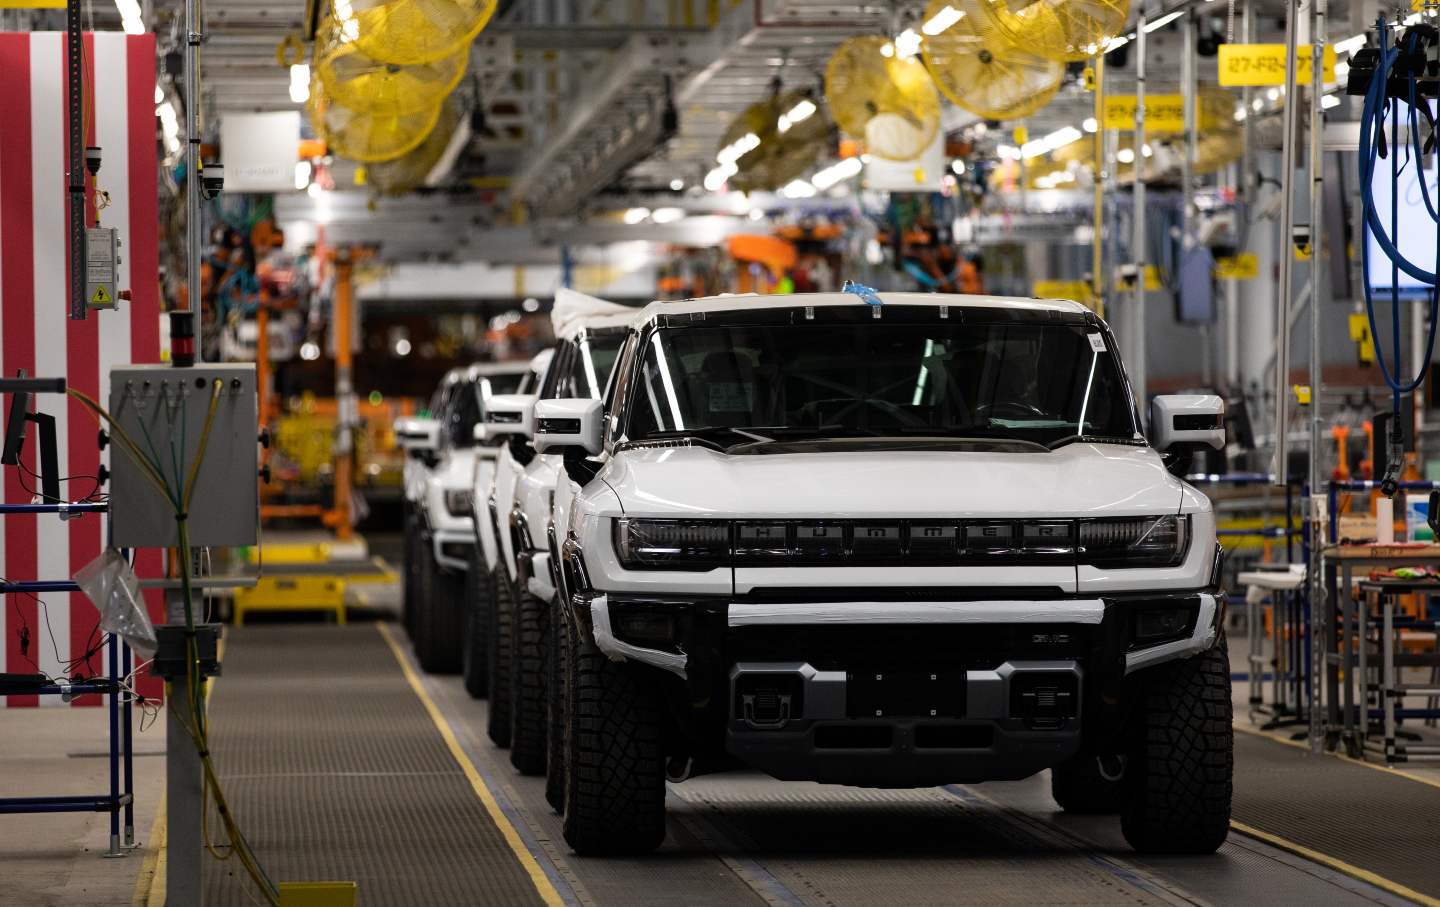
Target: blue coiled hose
(1373,116)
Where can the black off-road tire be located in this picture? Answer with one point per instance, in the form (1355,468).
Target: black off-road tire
(498,646)
(614,771)
(1080,788)
(479,601)
(1178,777)
(558,642)
(529,716)
(439,619)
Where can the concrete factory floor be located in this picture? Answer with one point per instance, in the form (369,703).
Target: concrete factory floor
(382,774)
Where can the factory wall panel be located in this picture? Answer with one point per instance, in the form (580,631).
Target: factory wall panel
(43,634)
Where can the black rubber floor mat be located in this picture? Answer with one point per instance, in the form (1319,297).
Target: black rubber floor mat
(337,772)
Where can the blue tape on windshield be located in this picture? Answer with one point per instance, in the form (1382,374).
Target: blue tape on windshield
(869,294)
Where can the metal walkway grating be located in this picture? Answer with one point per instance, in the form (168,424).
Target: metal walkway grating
(1368,817)
(336,771)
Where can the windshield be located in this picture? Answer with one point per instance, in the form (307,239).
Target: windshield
(597,358)
(504,383)
(1012,380)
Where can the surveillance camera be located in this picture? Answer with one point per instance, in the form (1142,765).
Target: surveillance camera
(212,180)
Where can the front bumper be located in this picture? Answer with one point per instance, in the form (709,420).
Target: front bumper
(898,693)
(452,548)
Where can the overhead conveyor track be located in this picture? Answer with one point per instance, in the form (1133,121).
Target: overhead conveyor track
(348,763)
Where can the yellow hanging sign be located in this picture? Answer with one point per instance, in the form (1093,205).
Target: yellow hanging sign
(1264,64)
(1245,266)
(1078,290)
(1163,112)
(1126,282)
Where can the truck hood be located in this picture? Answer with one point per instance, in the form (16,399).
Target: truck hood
(1078,480)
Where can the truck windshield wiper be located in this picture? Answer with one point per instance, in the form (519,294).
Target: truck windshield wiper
(707,435)
(1088,439)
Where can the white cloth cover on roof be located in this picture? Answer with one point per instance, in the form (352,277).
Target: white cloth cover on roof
(571,305)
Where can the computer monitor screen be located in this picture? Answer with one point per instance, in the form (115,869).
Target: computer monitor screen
(1414,231)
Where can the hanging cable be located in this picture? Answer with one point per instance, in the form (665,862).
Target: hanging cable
(1405,61)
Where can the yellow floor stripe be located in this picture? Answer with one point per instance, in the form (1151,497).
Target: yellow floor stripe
(1348,869)
(543,885)
(1343,757)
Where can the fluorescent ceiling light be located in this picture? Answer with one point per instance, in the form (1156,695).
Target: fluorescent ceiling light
(1057,139)
(1163,21)
(799,113)
(635,215)
(1117,42)
(907,44)
(667,215)
(798,189)
(738,148)
(942,20)
(833,174)
(130,17)
(300,83)
(1008,152)
(1350,44)
(717,177)
(1125,156)
(1329,101)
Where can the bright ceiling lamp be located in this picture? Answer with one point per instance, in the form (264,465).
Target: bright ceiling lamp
(798,189)
(1090,125)
(1163,21)
(667,215)
(130,17)
(635,215)
(942,20)
(835,173)
(738,148)
(907,44)
(1057,139)
(717,177)
(300,82)
(797,114)
(1351,44)
(1125,156)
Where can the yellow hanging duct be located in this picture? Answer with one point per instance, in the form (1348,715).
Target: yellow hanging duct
(357,80)
(410,171)
(1065,30)
(885,98)
(368,137)
(994,80)
(411,31)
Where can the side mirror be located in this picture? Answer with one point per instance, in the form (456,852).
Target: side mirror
(416,435)
(1188,421)
(507,415)
(564,425)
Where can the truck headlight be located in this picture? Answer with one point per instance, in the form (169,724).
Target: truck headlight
(458,501)
(1152,541)
(672,544)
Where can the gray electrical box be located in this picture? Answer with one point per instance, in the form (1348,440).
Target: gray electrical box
(102,262)
(162,409)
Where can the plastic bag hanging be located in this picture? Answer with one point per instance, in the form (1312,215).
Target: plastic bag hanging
(114,589)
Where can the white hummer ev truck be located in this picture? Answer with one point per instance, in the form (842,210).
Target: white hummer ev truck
(516,503)
(443,459)
(891,540)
